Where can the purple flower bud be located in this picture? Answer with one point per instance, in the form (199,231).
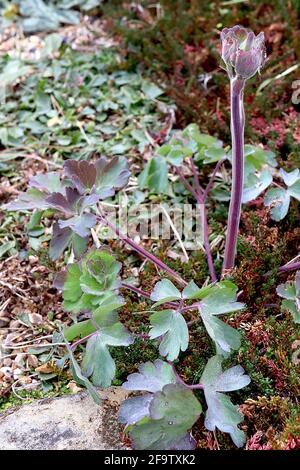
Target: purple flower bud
(242,51)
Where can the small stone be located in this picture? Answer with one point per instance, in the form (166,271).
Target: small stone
(17,373)
(35,318)
(74,387)
(4,321)
(45,368)
(7,362)
(19,359)
(25,380)
(7,371)
(14,324)
(32,361)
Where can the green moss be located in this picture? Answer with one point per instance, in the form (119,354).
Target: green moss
(27,396)
(129,359)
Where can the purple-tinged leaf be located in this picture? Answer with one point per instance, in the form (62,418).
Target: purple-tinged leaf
(59,279)
(80,224)
(73,196)
(89,201)
(221,412)
(81,173)
(134,409)
(173,411)
(59,202)
(32,199)
(48,182)
(79,244)
(61,239)
(151,377)
(111,175)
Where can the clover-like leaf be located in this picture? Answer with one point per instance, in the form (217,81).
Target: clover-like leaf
(214,154)
(172,328)
(257,158)
(294,190)
(221,413)
(155,176)
(225,337)
(255,184)
(221,300)
(152,377)
(172,413)
(289,177)
(192,291)
(165,291)
(278,199)
(290,291)
(174,152)
(97,361)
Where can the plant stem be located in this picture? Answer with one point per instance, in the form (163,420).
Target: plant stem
(192,387)
(82,340)
(237,134)
(199,196)
(195,387)
(199,190)
(211,181)
(289,267)
(285,268)
(136,290)
(160,264)
(185,182)
(204,223)
(146,294)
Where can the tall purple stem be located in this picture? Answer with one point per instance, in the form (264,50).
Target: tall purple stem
(237,133)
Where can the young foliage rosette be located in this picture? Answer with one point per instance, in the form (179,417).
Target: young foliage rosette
(91,286)
(73,196)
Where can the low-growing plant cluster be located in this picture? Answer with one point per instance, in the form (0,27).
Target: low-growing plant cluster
(162,415)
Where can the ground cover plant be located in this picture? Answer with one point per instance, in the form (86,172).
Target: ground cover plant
(203,327)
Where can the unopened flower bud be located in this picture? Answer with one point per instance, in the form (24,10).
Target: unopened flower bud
(242,51)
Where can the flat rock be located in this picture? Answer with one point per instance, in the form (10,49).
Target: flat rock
(68,422)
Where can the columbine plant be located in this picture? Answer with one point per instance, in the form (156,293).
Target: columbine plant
(243,54)
(92,291)
(162,416)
